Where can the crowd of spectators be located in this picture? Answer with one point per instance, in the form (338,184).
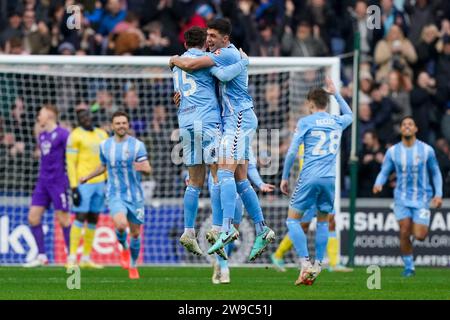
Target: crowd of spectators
(405,63)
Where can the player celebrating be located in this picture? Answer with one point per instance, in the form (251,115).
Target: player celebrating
(200,129)
(83,156)
(414,163)
(333,242)
(124,157)
(240,124)
(52,183)
(321,134)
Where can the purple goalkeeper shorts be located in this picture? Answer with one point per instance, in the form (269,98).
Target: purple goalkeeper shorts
(47,192)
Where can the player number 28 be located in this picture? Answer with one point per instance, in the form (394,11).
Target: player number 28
(185,80)
(333,147)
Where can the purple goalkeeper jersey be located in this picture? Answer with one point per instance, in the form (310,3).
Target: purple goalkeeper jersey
(53,155)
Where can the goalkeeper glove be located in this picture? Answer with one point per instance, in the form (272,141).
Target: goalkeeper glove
(76,197)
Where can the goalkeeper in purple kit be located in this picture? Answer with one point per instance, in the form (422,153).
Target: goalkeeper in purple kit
(52,184)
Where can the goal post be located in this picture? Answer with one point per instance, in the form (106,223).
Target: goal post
(142,86)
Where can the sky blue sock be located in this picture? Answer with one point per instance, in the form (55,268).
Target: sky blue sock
(135,247)
(251,203)
(122,238)
(321,239)
(222,263)
(408,261)
(191,196)
(227,197)
(238,211)
(298,237)
(216,207)
(229,248)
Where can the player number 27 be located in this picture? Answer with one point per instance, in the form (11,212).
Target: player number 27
(333,147)
(186,82)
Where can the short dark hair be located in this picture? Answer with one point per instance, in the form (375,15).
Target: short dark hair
(195,37)
(319,96)
(221,25)
(120,113)
(407,117)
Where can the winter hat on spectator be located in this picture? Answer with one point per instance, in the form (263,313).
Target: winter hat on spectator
(66,46)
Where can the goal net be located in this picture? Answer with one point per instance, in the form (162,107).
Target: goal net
(143,87)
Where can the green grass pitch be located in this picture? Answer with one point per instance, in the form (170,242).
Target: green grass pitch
(187,283)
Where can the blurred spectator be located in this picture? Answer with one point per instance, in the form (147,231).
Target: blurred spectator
(366,122)
(443,86)
(304,44)
(103,108)
(106,18)
(390,16)
(273,114)
(66,49)
(382,109)
(443,157)
(399,95)
(189,19)
(267,44)
(160,152)
(323,22)
(425,113)
(366,35)
(395,52)
(371,158)
(20,122)
(157,42)
(137,114)
(366,83)
(426,49)
(15,46)
(37,38)
(13,30)
(420,14)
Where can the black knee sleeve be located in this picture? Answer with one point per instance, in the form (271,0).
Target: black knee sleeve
(92,218)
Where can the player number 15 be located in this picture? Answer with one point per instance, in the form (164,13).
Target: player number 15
(185,80)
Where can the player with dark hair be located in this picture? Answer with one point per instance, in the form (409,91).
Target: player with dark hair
(52,184)
(200,126)
(239,126)
(125,158)
(415,164)
(83,156)
(321,134)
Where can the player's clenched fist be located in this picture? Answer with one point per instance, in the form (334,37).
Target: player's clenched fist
(377,189)
(284,187)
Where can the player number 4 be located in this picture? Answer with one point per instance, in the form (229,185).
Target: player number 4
(333,147)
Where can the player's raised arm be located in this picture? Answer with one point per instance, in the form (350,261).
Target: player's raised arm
(227,73)
(386,169)
(436,176)
(345,109)
(190,64)
(297,140)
